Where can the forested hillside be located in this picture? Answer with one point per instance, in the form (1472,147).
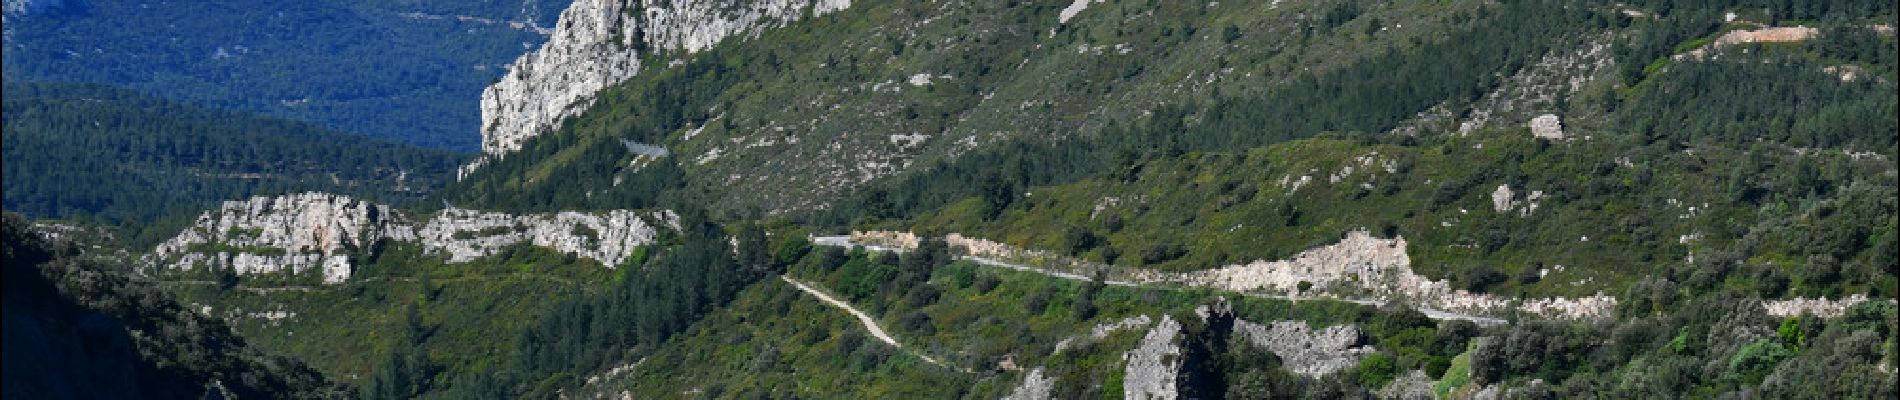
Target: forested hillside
(112,156)
(1072,199)
(407,70)
(76,328)
(794,119)
(1688,189)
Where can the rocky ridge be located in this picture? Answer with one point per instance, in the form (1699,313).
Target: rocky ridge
(1375,267)
(1035,386)
(1763,35)
(1154,365)
(1304,350)
(322,232)
(1819,307)
(600,43)
(1359,266)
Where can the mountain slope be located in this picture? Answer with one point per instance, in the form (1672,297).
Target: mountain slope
(79,329)
(1330,199)
(801,114)
(1496,204)
(120,157)
(600,43)
(407,70)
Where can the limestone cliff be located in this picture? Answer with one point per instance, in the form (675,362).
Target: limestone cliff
(1153,367)
(1364,266)
(294,233)
(1305,350)
(1359,266)
(321,232)
(599,43)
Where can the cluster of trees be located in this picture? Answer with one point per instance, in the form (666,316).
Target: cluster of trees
(1777,97)
(1718,345)
(76,328)
(652,299)
(406,372)
(357,66)
(883,283)
(1785,94)
(118,157)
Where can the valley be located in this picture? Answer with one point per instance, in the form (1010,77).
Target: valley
(1036,199)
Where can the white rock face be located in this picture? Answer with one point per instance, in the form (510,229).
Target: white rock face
(599,43)
(1380,268)
(1153,366)
(294,233)
(468,234)
(1358,267)
(1073,9)
(1780,34)
(1102,331)
(1547,126)
(1501,199)
(1035,386)
(1413,385)
(321,231)
(1504,200)
(1819,307)
(1304,350)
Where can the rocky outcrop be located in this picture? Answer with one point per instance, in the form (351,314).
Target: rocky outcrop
(1819,307)
(892,239)
(1372,270)
(972,246)
(1154,365)
(322,232)
(1102,331)
(1781,34)
(608,237)
(1547,126)
(1074,8)
(1412,385)
(600,43)
(1504,200)
(1365,266)
(1035,386)
(294,233)
(1304,350)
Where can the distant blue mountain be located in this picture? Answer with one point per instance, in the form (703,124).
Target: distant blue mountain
(410,70)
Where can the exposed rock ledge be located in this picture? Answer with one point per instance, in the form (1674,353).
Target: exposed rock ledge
(1035,386)
(1154,365)
(1359,265)
(1366,265)
(1764,35)
(321,232)
(600,43)
(1819,307)
(1304,350)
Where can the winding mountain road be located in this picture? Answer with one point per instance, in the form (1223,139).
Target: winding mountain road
(845,242)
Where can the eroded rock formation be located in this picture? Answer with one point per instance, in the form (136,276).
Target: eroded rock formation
(1304,350)
(324,232)
(1154,365)
(600,43)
